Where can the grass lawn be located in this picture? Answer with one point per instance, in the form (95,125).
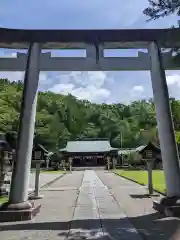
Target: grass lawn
(141,176)
(3,199)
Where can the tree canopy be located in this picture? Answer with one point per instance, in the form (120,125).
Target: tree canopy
(162,8)
(61,118)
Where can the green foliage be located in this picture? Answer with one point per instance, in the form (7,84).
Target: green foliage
(162,8)
(61,118)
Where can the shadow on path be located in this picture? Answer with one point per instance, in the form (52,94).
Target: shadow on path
(114,228)
(142,196)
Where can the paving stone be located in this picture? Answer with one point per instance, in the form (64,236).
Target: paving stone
(97,210)
(58,189)
(77,206)
(55,217)
(129,196)
(81,234)
(44,178)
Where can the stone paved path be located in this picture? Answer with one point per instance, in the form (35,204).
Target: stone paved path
(97,215)
(43,179)
(138,208)
(53,222)
(90,205)
(77,206)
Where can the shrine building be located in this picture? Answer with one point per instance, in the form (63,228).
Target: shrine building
(89,152)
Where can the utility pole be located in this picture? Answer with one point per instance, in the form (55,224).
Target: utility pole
(121,134)
(121,138)
(121,141)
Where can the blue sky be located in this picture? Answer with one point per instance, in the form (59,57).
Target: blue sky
(78,14)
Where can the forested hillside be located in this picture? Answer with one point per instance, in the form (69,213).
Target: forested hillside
(61,118)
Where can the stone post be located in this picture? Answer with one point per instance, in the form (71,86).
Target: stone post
(114,162)
(168,145)
(21,171)
(36,191)
(149,163)
(70,164)
(36,194)
(108,163)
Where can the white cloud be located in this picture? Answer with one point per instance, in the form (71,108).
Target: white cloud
(101,86)
(173,82)
(137,89)
(136,93)
(92,93)
(16,76)
(83,85)
(12,76)
(62,88)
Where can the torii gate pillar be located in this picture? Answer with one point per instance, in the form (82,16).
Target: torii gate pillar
(18,199)
(168,144)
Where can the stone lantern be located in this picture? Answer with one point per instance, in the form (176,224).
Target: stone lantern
(70,163)
(63,164)
(148,153)
(149,162)
(5,165)
(108,163)
(37,159)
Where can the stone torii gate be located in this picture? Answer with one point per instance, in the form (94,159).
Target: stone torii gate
(94,42)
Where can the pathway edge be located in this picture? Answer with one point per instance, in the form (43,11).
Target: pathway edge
(142,184)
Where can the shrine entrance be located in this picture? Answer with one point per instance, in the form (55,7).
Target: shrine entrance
(94,42)
(89,161)
(89,152)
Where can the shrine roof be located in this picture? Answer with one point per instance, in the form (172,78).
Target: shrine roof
(149,146)
(88,146)
(77,39)
(37,147)
(140,148)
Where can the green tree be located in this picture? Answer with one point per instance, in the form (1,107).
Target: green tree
(162,8)
(61,118)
